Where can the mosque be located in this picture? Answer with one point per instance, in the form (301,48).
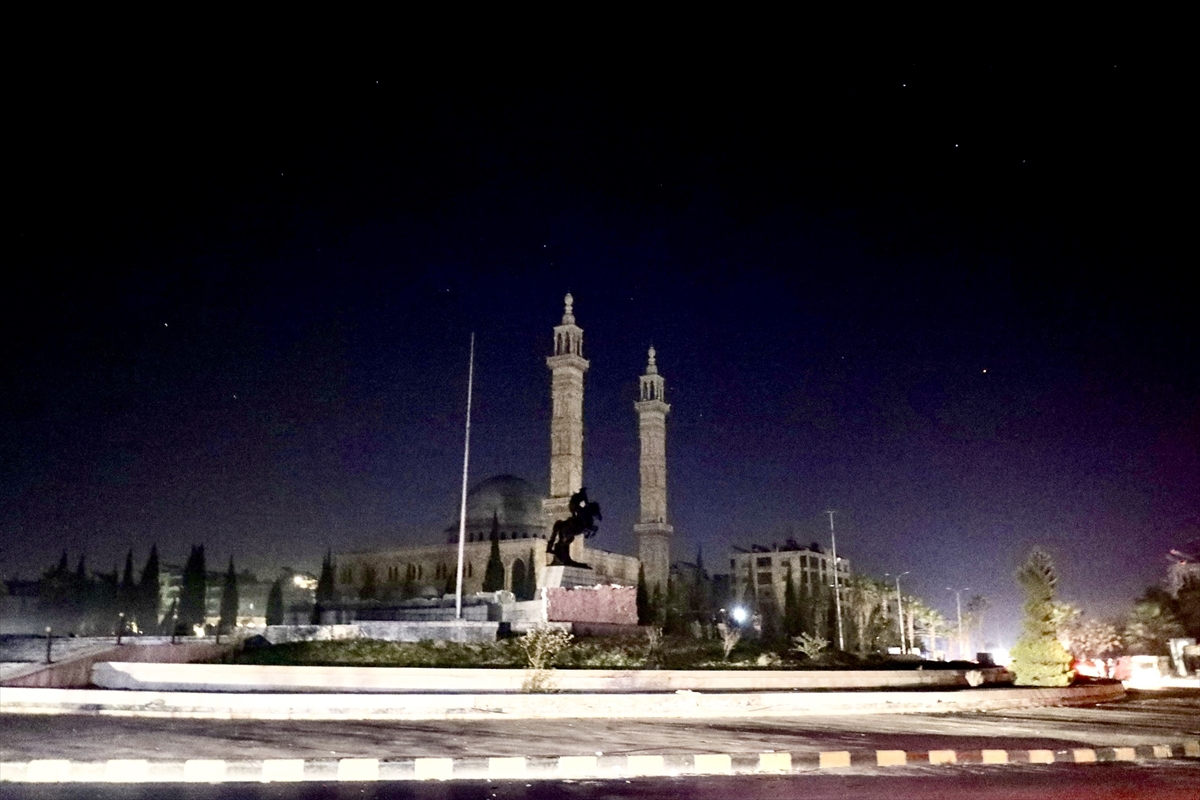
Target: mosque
(521,517)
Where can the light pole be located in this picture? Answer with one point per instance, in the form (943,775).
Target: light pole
(900,610)
(837,584)
(958,608)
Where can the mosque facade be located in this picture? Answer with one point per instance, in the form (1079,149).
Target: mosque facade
(520,517)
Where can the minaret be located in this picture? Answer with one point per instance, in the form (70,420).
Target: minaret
(567,366)
(653,532)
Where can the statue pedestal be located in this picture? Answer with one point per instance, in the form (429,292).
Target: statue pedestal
(569,577)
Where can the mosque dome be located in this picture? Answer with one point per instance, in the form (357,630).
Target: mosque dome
(510,502)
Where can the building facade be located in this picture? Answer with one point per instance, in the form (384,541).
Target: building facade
(761,575)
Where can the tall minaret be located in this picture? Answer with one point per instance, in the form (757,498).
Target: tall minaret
(653,532)
(567,366)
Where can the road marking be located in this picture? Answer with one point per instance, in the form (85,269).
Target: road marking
(48,770)
(1162,751)
(506,767)
(831,759)
(358,769)
(774,762)
(1124,754)
(433,769)
(994,756)
(891,758)
(1085,755)
(1191,749)
(204,770)
(942,757)
(1041,756)
(127,770)
(282,770)
(713,763)
(645,765)
(577,765)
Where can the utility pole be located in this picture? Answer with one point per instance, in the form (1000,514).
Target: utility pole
(462,513)
(958,608)
(900,611)
(837,584)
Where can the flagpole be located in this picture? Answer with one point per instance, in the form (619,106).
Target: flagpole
(462,511)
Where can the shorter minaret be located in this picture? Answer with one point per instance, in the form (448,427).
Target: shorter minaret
(653,532)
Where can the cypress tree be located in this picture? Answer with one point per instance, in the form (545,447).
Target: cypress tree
(229,601)
(658,611)
(148,593)
(1038,658)
(493,575)
(531,577)
(368,591)
(192,592)
(791,607)
(127,591)
(644,611)
(325,588)
(170,620)
(275,603)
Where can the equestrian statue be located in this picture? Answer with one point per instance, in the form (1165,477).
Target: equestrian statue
(582,521)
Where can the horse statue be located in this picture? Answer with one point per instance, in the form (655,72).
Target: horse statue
(582,521)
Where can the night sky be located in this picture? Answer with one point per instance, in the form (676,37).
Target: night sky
(944,298)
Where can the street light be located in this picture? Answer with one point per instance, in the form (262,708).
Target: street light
(837,586)
(958,607)
(900,610)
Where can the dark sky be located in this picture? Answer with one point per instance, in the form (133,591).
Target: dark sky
(943,297)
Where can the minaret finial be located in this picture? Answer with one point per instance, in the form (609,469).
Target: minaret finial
(568,312)
(652,366)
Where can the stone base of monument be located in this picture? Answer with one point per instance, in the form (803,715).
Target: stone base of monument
(561,577)
(612,608)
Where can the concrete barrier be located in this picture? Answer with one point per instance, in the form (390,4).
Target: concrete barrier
(416,680)
(675,705)
(76,672)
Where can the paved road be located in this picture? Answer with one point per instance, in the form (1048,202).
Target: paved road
(1174,779)
(1166,718)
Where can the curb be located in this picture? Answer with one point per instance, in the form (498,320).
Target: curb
(597,767)
(681,704)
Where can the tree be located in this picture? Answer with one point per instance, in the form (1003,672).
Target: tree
(127,592)
(148,593)
(368,590)
(1088,639)
(229,601)
(791,607)
(275,603)
(1038,659)
(325,588)
(530,578)
(1151,624)
(192,592)
(493,575)
(644,612)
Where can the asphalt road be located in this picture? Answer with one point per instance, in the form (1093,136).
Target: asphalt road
(1174,779)
(1165,718)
